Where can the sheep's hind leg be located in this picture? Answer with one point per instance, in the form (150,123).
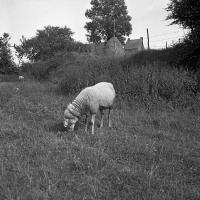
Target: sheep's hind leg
(93,120)
(109,120)
(101,122)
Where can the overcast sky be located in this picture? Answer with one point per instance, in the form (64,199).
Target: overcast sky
(24,17)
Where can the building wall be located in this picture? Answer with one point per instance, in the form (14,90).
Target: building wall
(134,46)
(112,48)
(115,51)
(131,51)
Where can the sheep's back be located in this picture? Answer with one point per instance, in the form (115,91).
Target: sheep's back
(102,94)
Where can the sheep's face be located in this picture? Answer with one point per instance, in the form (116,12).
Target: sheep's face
(69,120)
(70,123)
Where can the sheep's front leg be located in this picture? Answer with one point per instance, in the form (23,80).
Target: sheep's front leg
(93,120)
(86,123)
(109,120)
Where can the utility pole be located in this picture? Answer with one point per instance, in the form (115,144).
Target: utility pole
(114,36)
(148,38)
(166,44)
(114,29)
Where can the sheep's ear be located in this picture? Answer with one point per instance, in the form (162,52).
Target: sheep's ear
(73,125)
(66,113)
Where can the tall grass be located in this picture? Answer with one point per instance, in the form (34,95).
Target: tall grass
(132,79)
(146,77)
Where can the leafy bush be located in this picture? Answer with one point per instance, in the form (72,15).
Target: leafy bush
(40,70)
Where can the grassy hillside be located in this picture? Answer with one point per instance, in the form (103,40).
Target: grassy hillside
(152,151)
(146,155)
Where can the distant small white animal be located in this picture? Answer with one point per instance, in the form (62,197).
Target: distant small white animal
(91,99)
(21,78)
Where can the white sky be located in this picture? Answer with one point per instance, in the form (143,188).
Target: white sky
(24,17)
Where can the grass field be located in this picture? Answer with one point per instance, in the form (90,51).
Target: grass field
(148,154)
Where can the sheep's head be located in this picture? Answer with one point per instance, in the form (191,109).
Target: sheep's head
(69,120)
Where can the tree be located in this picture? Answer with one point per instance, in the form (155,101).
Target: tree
(6,59)
(186,13)
(45,44)
(108,18)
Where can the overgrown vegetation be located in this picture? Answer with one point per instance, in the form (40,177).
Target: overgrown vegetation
(151,76)
(134,79)
(40,70)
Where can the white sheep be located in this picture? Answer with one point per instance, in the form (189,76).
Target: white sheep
(21,78)
(91,99)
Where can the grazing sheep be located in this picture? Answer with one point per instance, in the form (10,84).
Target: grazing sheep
(91,99)
(21,78)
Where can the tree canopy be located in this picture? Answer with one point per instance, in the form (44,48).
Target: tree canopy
(6,59)
(45,44)
(108,18)
(186,13)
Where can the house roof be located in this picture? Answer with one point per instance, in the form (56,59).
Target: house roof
(114,39)
(134,44)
